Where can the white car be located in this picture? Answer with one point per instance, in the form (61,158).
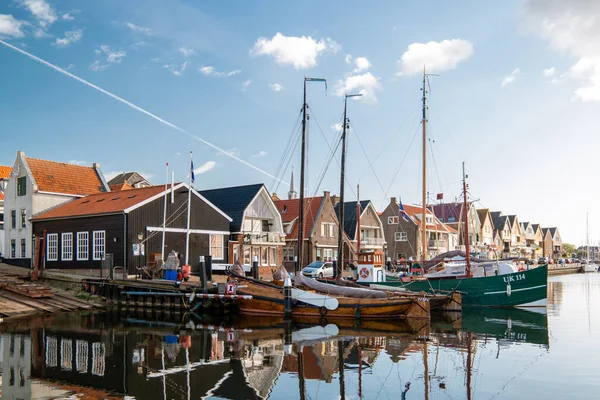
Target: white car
(318,269)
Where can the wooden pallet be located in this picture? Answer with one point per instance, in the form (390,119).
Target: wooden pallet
(31,290)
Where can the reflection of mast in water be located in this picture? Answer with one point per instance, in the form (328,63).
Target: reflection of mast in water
(469,364)
(341,368)
(426,373)
(301,383)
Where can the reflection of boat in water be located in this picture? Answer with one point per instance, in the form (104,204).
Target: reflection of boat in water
(512,325)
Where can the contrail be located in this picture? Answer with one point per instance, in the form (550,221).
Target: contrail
(140,109)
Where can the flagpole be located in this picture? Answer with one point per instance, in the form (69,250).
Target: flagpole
(162,249)
(187,233)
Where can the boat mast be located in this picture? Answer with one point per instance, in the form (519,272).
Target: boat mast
(424,206)
(164,230)
(187,230)
(466,214)
(357,221)
(340,257)
(587,238)
(302,165)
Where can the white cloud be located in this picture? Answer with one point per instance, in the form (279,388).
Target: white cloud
(548,72)
(177,70)
(39,33)
(511,78)
(209,70)
(571,27)
(68,17)
(301,52)
(9,26)
(261,153)
(70,38)
(246,83)
(78,162)
(348,59)
(337,127)
(435,56)
(207,166)
(365,84)
(112,56)
(276,87)
(187,51)
(137,28)
(42,11)
(97,66)
(362,64)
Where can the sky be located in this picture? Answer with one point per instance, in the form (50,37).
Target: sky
(133,85)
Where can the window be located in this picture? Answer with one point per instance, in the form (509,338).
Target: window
(264,256)
(82,246)
(13,248)
(22,186)
(265,225)
(331,230)
(327,254)
(400,256)
(13,219)
(428,219)
(52,247)
(273,256)
(318,255)
(400,236)
(323,229)
(247,259)
(23,248)
(255,254)
(288,254)
(67,247)
(216,247)
(392,220)
(23,218)
(99,244)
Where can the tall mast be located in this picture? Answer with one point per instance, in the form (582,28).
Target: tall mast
(357,221)
(162,250)
(424,207)
(302,165)
(466,215)
(342,179)
(187,231)
(587,237)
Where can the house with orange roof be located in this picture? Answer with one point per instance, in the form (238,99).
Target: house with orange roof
(320,232)
(4,176)
(128,225)
(403,235)
(130,179)
(34,186)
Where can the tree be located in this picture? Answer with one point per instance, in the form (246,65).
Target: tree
(568,250)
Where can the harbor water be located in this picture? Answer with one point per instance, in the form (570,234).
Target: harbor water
(481,354)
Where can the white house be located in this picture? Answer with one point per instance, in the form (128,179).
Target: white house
(35,186)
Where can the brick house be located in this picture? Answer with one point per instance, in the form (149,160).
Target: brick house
(548,243)
(320,229)
(35,186)
(503,230)
(451,214)
(256,227)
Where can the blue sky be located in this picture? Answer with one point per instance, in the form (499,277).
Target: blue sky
(516,98)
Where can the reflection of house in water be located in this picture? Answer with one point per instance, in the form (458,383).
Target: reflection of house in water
(261,362)
(399,349)
(16,365)
(320,360)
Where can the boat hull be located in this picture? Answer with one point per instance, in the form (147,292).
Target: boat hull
(519,289)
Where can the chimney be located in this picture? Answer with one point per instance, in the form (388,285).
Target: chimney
(393,200)
(326,194)
(334,200)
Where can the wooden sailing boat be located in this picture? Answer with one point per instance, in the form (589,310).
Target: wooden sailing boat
(498,289)
(329,300)
(587,265)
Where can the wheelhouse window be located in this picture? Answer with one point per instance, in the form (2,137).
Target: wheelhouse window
(216,247)
(82,246)
(23,248)
(393,220)
(400,236)
(67,246)
(22,186)
(99,244)
(52,247)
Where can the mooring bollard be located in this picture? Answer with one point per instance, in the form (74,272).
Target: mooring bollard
(255,267)
(203,274)
(287,296)
(208,268)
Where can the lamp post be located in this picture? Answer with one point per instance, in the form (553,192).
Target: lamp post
(140,237)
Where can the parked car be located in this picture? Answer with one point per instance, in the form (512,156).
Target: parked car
(318,269)
(562,261)
(543,260)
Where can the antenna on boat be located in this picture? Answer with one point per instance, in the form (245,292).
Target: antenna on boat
(466,214)
(302,164)
(340,257)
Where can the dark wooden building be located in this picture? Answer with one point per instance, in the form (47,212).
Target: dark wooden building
(128,225)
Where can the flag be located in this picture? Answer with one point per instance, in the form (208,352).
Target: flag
(404,213)
(192,172)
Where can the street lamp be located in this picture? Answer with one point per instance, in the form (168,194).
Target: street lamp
(140,237)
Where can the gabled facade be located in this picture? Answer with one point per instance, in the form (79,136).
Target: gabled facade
(486,232)
(556,242)
(451,214)
(548,244)
(81,233)
(403,235)
(320,230)
(35,186)
(503,229)
(363,228)
(256,227)
(5,172)
(132,179)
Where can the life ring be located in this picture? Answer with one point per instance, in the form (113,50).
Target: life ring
(322,311)
(364,272)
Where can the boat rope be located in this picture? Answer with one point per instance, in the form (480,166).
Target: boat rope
(367,157)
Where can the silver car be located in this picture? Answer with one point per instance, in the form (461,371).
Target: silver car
(318,269)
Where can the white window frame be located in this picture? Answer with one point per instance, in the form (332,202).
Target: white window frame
(331,230)
(323,229)
(87,246)
(52,244)
(393,220)
(273,256)
(400,236)
(66,251)
(97,252)
(210,247)
(327,255)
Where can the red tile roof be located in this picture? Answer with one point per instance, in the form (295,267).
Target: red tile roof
(5,172)
(289,210)
(57,177)
(101,203)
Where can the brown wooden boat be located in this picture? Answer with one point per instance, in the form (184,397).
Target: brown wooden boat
(267,299)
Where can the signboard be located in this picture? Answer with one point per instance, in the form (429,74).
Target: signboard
(136,249)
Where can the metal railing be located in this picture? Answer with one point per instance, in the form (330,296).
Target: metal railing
(264,237)
(437,244)
(372,241)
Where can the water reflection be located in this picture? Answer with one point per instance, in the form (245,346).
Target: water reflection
(148,356)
